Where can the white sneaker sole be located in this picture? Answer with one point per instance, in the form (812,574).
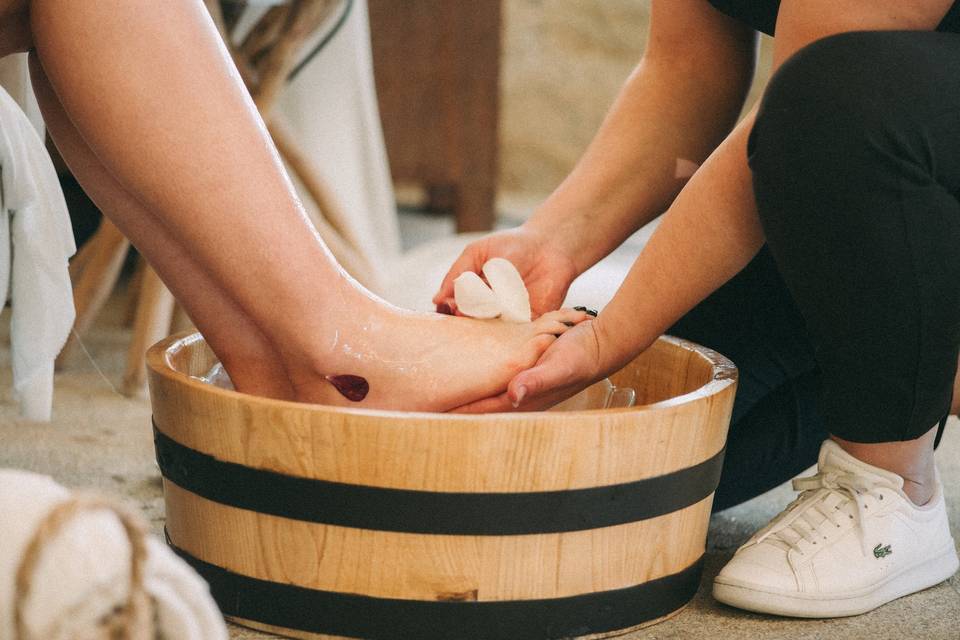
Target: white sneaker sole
(743,595)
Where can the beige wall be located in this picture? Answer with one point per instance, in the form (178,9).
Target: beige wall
(563,63)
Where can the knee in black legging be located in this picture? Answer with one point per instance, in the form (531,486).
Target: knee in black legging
(840,100)
(855,172)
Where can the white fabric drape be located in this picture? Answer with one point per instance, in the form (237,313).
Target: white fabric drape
(331,107)
(35,243)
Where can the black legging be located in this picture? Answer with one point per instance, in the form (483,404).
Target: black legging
(848,321)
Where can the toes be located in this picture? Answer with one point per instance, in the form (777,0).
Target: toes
(542,342)
(535,348)
(564,318)
(556,328)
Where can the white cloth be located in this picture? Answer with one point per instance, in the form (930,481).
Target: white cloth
(83,573)
(15,78)
(331,108)
(35,243)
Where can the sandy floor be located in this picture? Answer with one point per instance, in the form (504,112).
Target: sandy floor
(100,439)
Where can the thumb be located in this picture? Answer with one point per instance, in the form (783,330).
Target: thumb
(548,375)
(465,262)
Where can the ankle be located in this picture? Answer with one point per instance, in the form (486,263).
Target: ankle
(321,344)
(260,376)
(912,460)
(920,492)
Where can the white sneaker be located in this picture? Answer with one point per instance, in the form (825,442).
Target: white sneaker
(849,543)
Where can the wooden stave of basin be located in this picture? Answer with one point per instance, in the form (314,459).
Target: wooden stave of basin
(451,568)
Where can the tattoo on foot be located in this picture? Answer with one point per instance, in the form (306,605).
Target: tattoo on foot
(353,388)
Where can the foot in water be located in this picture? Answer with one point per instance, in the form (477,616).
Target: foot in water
(424,362)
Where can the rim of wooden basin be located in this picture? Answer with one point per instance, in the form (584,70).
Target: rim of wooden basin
(723,375)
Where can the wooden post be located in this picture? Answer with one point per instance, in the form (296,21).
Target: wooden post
(437,71)
(154,317)
(94,277)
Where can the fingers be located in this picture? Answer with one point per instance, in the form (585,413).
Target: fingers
(559,322)
(566,316)
(566,366)
(503,404)
(495,404)
(549,374)
(466,262)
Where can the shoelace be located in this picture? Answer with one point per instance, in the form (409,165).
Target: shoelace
(815,489)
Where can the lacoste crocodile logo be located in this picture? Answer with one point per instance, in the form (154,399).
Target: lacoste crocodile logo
(881,551)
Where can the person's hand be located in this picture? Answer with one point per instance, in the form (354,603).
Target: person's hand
(577,359)
(546,270)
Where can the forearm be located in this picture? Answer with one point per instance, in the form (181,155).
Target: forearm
(667,119)
(710,232)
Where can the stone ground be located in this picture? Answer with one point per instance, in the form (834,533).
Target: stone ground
(100,439)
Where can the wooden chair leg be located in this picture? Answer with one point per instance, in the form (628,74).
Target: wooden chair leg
(133,292)
(265,33)
(102,259)
(81,259)
(154,316)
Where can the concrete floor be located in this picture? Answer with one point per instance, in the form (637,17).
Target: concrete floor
(100,439)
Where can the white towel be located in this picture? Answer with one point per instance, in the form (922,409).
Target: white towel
(35,243)
(83,573)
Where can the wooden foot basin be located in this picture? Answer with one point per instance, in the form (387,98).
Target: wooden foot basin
(319,522)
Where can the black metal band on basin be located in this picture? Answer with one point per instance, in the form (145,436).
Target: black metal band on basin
(356,616)
(431,512)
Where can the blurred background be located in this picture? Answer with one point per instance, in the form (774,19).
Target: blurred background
(522,83)
(561,64)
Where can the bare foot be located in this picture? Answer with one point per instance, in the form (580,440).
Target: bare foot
(427,362)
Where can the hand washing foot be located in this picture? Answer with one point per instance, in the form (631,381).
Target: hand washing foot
(425,362)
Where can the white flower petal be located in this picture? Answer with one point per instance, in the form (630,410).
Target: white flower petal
(508,287)
(474,298)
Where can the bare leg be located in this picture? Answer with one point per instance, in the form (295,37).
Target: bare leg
(254,365)
(173,124)
(151,90)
